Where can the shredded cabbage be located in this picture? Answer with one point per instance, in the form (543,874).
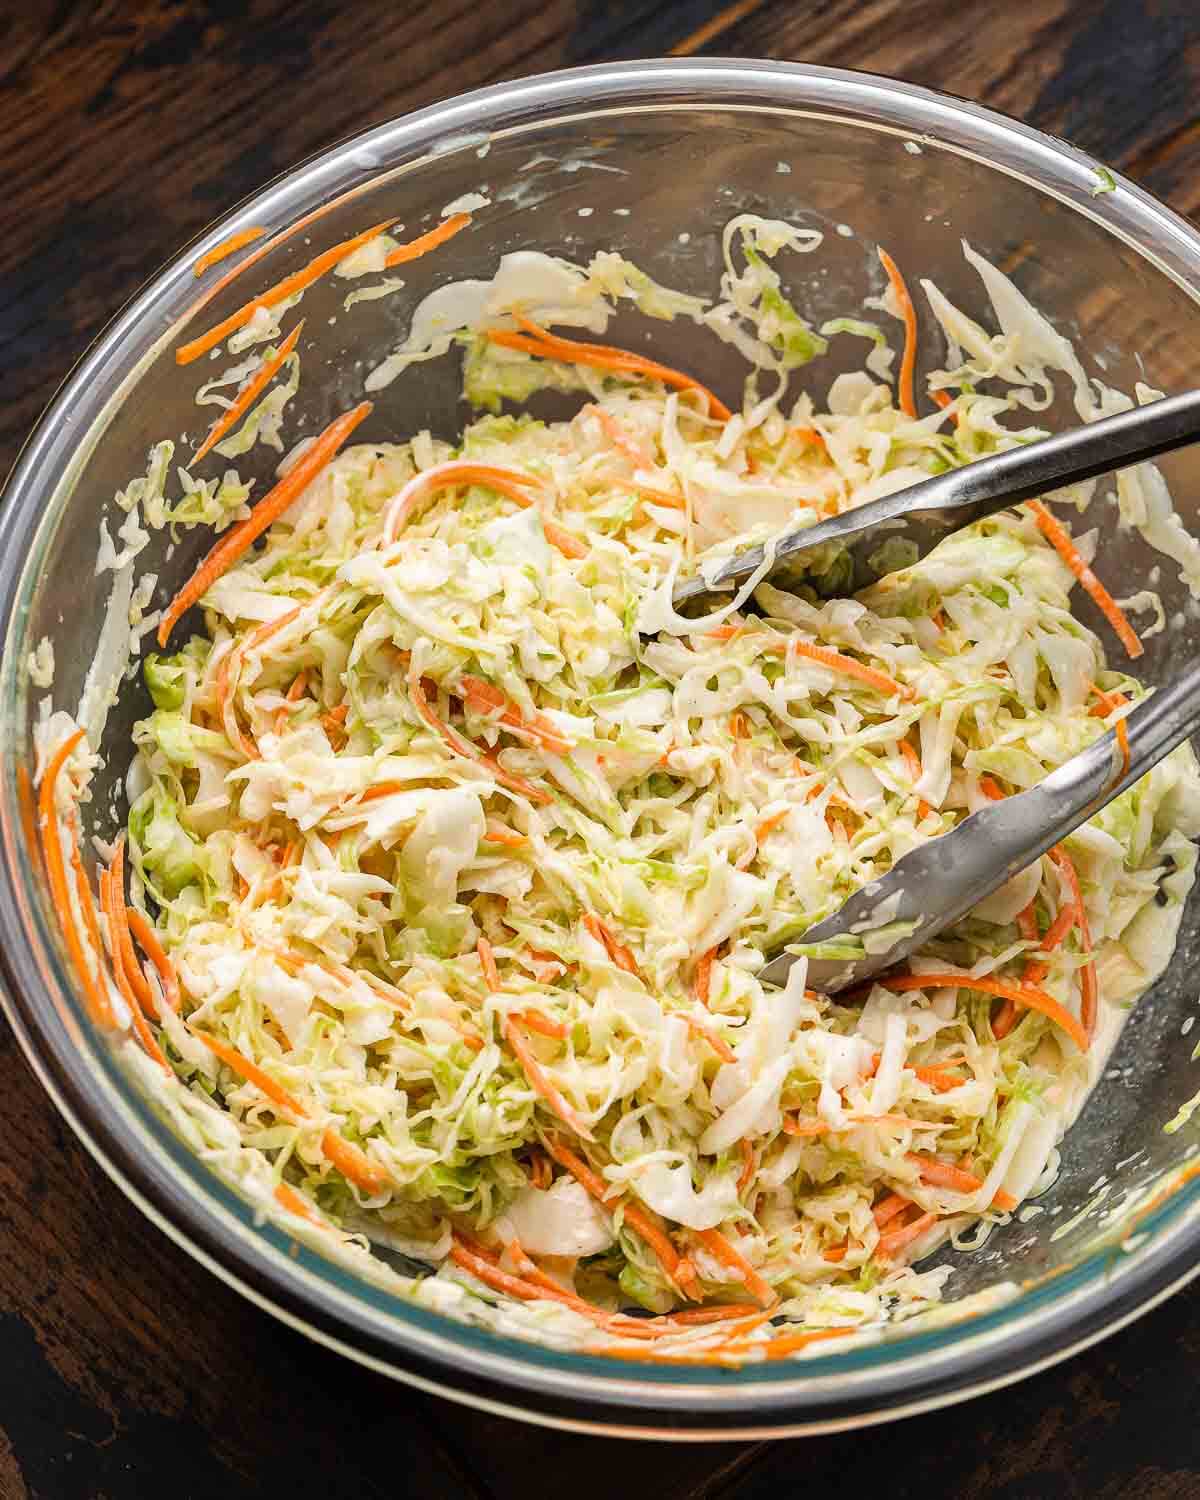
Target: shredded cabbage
(455,750)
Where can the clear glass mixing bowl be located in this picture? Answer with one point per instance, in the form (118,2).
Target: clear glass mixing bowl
(648,159)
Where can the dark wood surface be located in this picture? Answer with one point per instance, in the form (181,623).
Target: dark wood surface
(125,1369)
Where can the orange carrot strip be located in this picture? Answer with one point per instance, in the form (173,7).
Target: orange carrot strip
(991,789)
(500,1281)
(908,360)
(249,393)
(154,951)
(1059,539)
(718,1043)
(424,243)
(633,1214)
(769,823)
(747,1171)
(945,1174)
(545,345)
(238,539)
(792,1343)
(484,698)
(1107,703)
(808,435)
(454,474)
(1027,922)
(487,963)
(463,746)
(495,834)
(227,247)
(889,1244)
(1058,929)
(108,904)
(792,1125)
(665,498)
(733,1260)
(1089,990)
(702,978)
(295,1203)
(833,660)
(355,1165)
(621,956)
(1123,740)
(913,761)
(536,1020)
(640,458)
(296,282)
(1022,994)
(888,1208)
(539,1081)
(252,1073)
(1005,1202)
(56,876)
(836,1252)
(84,892)
(123,954)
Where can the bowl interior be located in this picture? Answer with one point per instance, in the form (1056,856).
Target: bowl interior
(655,179)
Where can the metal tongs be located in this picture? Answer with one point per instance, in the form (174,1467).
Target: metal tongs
(932,887)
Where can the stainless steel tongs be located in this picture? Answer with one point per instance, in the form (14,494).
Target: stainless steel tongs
(931,888)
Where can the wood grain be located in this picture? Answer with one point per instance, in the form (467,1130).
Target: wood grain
(125,127)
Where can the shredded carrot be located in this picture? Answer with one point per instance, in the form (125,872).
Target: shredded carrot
(936,1076)
(747,1171)
(500,1281)
(1089,990)
(496,834)
(792,1125)
(487,963)
(1106,703)
(898,1239)
(463,746)
(913,761)
(908,360)
(537,1020)
(718,1043)
(84,892)
(545,345)
(1027,921)
(666,498)
(1123,740)
(249,393)
(108,904)
(991,789)
(834,661)
(638,456)
(540,1172)
(539,1081)
(227,246)
(288,287)
(809,435)
(153,950)
(238,539)
(295,1203)
(424,243)
(836,1252)
(458,472)
(702,978)
(1004,1201)
(123,954)
(484,698)
(1022,994)
(1060,540)
(945,1174)
(252,1073)
(792,1343)
(733,1260)
(56,875)
(1059,928)
(770,822)
(888,1208)
(738,727)
(633,1214)
(621,956)
(354,1165)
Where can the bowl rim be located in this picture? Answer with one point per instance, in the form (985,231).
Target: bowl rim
(207,1218)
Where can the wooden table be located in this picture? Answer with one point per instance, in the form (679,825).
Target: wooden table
(125,1369)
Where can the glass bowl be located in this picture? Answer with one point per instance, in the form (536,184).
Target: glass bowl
(649,159)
